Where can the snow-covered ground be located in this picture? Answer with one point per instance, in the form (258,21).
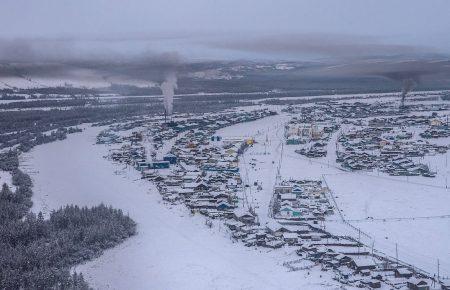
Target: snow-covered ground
(176,250)
(398,212)
(172,250)
(5,177)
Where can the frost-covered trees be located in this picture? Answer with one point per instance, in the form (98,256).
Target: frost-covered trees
(9,160)
(36,253)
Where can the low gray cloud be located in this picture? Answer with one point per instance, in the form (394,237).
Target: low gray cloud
(390,68)
(336,56)
(317,46)
(46,58)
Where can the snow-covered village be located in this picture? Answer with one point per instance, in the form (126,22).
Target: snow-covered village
(249,160)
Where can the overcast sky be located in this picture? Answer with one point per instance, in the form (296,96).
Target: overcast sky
(186,26)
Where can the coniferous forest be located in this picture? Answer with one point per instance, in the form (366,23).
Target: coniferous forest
(37,253)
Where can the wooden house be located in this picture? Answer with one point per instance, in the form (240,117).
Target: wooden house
(402,273)
(417,284)
(290,238)
(245,217)
(362,263)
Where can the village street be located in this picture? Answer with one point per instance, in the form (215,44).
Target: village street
(259,163)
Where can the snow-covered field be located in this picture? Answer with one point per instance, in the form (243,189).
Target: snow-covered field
(415,217)
(172,249)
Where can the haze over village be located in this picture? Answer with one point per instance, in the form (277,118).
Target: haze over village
(224,144)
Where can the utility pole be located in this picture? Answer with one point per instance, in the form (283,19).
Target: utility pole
(438,269)
(359,240)
(396,253)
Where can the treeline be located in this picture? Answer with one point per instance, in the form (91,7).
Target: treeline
(28,140)
(45,120)
(446,97)
(7,97)
(39,138)
(37,253)
(129,90)
(57,91)
(48,103)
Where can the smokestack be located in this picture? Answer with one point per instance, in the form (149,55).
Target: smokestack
(408,85)
(168,87)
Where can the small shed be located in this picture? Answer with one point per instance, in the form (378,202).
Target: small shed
(290,238)
(172,159)
(374,283)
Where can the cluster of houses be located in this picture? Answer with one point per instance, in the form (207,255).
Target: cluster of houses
(108,137)
(300,208)
(203,167)
(309,124)
(377,113)
(331,110)
(441,131)
(311,133)
(316,150)
(387,149)
(303,200)
(404,121)
(380,137)
(302,133)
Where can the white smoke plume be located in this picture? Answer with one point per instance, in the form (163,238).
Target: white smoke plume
(168,87)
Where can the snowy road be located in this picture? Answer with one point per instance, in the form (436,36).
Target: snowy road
(259,162)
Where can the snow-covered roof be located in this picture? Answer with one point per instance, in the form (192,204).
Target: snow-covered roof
(288,196)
